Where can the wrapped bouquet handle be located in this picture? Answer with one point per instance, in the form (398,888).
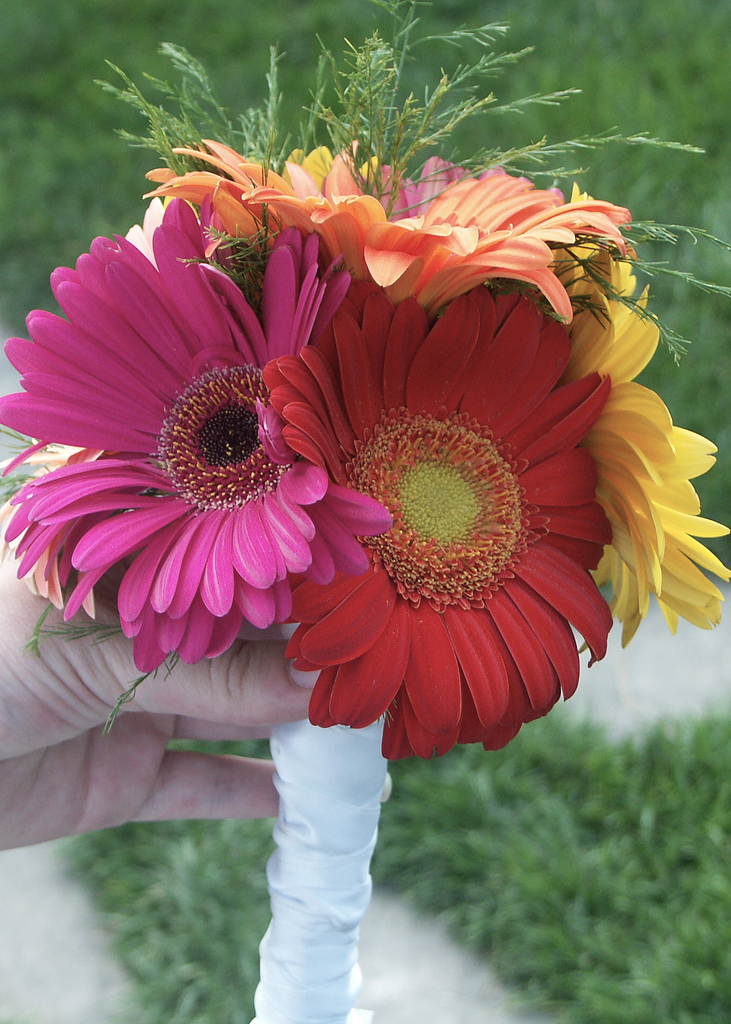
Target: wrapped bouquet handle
(330,783)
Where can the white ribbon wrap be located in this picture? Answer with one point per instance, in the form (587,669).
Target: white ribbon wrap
(330,783)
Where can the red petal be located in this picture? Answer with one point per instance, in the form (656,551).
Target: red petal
(538,674)
(499,365)
(396,744)
(377,315)
(549,363)
(298,383)
(442,357)
(311,601)
(567,478)
(355,625)
(570,590)
(424,743)
(553,630)
(501,736)
(432,677)
(305,433)
(331,393)
(589,522)
(562,420)
(408,329)
(471,729)
(586,553)
(353,305)
(364,688)
(471,633)
(361,401)
(319,712)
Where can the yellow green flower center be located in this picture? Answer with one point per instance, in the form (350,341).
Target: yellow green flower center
(459,517)
(438,502)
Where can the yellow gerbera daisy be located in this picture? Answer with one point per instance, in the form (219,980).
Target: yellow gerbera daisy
(645,463)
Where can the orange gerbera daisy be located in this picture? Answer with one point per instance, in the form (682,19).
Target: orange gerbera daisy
(644,462)
(476,229)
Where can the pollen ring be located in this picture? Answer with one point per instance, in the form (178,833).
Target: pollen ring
(459,514)
(209,443)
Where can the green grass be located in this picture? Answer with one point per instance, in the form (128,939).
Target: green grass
(187,906)
(594,877)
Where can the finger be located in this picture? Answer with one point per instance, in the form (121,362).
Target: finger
(248,686)
(200,729)
(277,631)
(192,785)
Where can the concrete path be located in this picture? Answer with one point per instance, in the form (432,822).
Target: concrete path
(55,966)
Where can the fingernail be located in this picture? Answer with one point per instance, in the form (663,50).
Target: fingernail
(304,679)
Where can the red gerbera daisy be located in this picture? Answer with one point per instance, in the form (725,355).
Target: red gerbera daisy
(460,630)
(159,366)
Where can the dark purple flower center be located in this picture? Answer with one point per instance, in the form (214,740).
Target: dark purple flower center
(231,435)
(209,443)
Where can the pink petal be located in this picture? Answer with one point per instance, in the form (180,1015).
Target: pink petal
(148,654)
(257,604)
(200,308)
(290,542)
(169,632)
(303,483)
(217,584)
(243,324)
(297,515)
(138,581)
(282,600)
(198,631)
(193,564)
(81,591)
(348,555)
(253,557)
(358,513)
(167,577)
(114,538)
(337,285)
(225,631)
(55,420)
(322,569)
(278,301)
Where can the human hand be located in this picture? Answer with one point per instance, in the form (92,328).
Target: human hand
(61,775)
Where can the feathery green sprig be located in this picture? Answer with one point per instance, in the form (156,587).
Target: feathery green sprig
(363,105)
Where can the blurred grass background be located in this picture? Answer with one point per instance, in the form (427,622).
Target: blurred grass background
(595,876)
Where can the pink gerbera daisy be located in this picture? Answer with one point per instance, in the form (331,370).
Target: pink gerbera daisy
(159,365)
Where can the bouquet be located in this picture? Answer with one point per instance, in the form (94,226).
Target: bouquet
(384,396)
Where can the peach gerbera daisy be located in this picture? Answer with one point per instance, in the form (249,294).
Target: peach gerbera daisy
(498,226)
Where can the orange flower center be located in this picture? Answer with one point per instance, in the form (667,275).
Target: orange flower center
(459,516)
(209,443)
